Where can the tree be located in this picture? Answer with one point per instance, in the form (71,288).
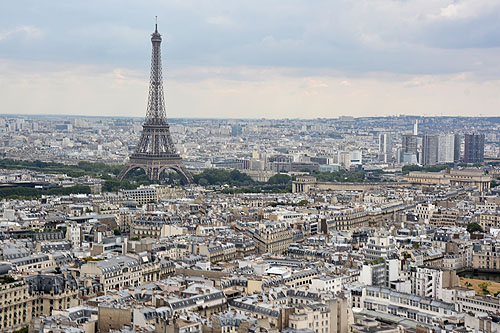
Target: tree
(474,227)
(221,177)
(303,202)
(484,288)
(279,178)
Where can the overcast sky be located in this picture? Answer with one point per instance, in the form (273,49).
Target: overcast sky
(252,59)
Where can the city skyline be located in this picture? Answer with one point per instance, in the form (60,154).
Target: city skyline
(228,166)
(286,60)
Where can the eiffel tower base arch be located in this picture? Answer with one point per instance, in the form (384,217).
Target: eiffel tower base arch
(154,170)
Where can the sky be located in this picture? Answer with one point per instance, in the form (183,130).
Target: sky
(252,58)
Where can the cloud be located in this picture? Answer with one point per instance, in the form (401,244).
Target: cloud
(26,31)
(465,9)
(411,37)
(116,91)
(248,51)
(220,21)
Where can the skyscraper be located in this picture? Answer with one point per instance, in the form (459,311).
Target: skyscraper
(385,147)
(409,149)
(457,148)
(446,145)
(430,149)
(474,148)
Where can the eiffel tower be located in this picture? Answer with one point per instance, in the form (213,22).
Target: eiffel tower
(156,151)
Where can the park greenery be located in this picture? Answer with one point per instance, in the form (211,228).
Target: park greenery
(223,180)
(104,171)
(78,170)
(20,192)
(340,176)
(223,177)
(237,182)
(427,168)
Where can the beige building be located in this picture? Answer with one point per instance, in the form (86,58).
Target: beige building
(304,184)
(444,218)
(456,177)
(216,252)
(34,296)
(355,218)
(34,263)
(332,316)
(489,220)
(112,317)
(272,237)
(486,255)
(154,227)
(141,195)
(115,273)
(16,309)
(314,317)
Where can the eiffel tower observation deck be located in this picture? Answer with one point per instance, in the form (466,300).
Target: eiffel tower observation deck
(155,151)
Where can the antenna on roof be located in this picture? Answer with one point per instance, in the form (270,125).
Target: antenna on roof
(156,23)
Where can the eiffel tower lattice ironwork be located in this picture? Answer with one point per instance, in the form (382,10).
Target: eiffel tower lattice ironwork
(156,151)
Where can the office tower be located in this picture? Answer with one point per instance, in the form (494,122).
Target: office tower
(409,149)
(385,147)
(456,148)
(356,157)
(446,148)
(410,143)
(474,148)
(430,149)
(236,130)
(415,127)
(344,158)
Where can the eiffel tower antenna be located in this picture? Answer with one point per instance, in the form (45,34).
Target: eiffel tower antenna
(155,151)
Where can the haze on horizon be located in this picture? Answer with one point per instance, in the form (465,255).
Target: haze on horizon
(258,59)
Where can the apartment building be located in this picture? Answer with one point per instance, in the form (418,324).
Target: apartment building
(380,247)
(33,296)
(272,237)
(314,317)
(114,273)
(422,310)
(34,263)
(430,282)
(216,252)
(444,218)
(489,220)
(16,309)
(141,195)
(379,272)
(154,227)
(424,212)
(486,255)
